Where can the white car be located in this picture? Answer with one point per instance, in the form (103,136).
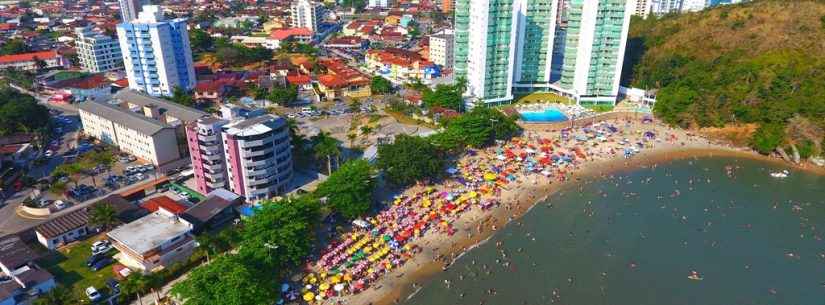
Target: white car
(60,204)
(101,246)
(49,154)
(93,294)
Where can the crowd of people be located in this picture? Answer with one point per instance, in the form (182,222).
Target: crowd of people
(388,240)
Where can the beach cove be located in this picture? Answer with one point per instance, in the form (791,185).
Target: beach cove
(438,250)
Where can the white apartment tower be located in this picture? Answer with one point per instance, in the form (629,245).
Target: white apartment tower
(129,9)
(306,14)
(156,53)
(693,5)
(572,47)
(643,8)
(258,156)
(97,52)
(441,48)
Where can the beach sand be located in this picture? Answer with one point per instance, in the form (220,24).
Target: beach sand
(519,198)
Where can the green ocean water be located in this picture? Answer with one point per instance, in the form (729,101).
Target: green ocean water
(633,239)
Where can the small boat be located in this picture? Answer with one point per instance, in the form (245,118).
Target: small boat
(694,276)
(782,174)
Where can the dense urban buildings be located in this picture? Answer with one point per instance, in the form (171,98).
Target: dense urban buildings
(148,128)
(33,61)
(307,14)
(97,52)
(643,8)
(156,53)
(574,48)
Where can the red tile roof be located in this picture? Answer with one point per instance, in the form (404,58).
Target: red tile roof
(89,82)
(281,34)
(28,56)
(298,79)
(164,202)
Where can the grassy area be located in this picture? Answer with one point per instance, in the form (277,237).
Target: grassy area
(543,97)
(68,265)
(599,108)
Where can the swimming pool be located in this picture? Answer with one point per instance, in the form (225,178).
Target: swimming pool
(549,114)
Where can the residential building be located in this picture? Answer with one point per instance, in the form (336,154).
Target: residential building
(33,61)
(379,4)
(662,7)
(441,48)
(87,87)
(572,47)
(401,66)
(153,242)
(643,8)
(207,153)
(342,81)
(129,9)
(156,53)
(74,225)
(22,279)
(307,14)
(214,211)
(97,52)
(148,128)
(447,6)
(693,5)
(258,156)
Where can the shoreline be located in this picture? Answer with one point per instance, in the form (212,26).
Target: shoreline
(403,283)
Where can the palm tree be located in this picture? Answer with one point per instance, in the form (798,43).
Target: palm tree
(325,146)
(103,215)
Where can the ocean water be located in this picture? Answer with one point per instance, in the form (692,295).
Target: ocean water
(634,239)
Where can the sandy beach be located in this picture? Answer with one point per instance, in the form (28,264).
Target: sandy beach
(477,225)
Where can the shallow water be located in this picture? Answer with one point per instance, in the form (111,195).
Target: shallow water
(752,238)
(548,115)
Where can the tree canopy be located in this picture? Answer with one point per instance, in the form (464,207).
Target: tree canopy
(722,66)
(281,233)
(14,46)
(239,55)
(381,85)
(283,95)
(446,96)
(349,189)
(410,159)
(480,127)
(21,113)
(227,280)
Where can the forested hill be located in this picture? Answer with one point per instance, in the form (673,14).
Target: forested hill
(760,62)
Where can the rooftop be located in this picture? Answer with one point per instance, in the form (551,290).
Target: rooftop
(14,253)
(164,202)
(183,113)
(28,56)
(254,126)
(63,223)
(149,232)
(123,116)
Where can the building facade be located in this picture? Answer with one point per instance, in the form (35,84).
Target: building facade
(153,242)
(148,128)
(258,157)
(662,7)
(572,47)
(693,5)
(156,53)
(379,3)
(643,8)
(207,153)
(129,9)
(441,48)
(97,52)
(33,61)
(306,14)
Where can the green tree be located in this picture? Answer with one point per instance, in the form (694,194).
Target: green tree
(200,40)
(281,233)
(14,46)
(446,96)
(227,280)
(349,189)
(182,97)
(21,113)
(410,159)
(103,215)
(325,147)
(70,170)
(481,126)
(135,284)
(283,95)
(767,138)
(381,85)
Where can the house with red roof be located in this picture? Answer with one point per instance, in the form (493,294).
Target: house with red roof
(94,87)
(278,36)
(165,203)
(400,66)
(29,61)
(342,81)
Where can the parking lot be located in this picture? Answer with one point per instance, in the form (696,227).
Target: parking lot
(73,268)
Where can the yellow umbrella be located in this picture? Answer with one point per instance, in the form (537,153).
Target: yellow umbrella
(323,287)
(347,277)
(312,280)
(309,296)
(335,279)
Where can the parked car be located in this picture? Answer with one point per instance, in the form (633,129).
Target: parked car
(101,264)
(93,294)
(94,259)
(114,285)
(101,246)
(60,204)
(49,153)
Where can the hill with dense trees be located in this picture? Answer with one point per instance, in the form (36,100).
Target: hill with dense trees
(761,62)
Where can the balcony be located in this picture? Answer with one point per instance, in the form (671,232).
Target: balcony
(250,153)
(207,138)
(211,157)
(265,171)
(261,163)
(251,144)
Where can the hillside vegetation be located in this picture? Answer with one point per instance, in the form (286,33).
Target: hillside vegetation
(761,62)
